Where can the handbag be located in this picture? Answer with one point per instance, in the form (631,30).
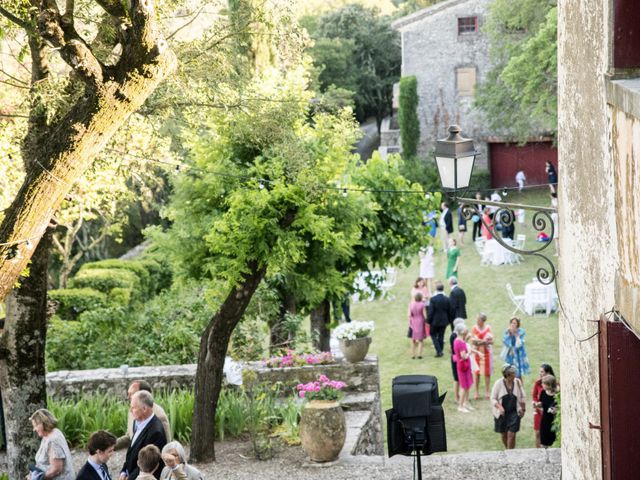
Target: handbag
(410,332)
(465,364)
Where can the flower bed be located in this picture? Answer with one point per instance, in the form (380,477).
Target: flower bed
(293,359)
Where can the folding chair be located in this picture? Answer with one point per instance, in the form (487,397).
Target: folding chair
(389,280)
(518,300)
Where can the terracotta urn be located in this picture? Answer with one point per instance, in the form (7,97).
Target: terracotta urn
(355,350)
(323,430)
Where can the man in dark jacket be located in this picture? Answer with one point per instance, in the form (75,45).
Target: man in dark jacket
(147,430)
(439,316)
(458,299)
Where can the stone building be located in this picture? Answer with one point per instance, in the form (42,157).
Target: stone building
(444,47)
(599,263)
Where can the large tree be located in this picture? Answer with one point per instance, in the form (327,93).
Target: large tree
(82,88)
(357,49)
(519,95)
(256,196)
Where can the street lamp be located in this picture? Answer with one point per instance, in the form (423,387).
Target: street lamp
(455,157)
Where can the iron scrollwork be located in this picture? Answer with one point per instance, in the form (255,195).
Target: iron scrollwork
(542,220)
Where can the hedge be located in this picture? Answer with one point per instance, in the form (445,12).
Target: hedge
(408,116)
(73,301)
(104,280)
(153,276)
(120,297)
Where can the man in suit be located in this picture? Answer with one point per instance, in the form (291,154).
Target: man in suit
(158,411)
(101,446)
(439,316)
(458,299)
(147,430)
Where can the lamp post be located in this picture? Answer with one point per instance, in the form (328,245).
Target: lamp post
(455,157)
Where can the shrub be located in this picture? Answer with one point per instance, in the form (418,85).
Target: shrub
(73,301)
(134,266)
(104,280)
(120,297)
(408,116)
(239,411)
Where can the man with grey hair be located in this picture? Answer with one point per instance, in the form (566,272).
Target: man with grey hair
(458,299)
(158,411)
(147,430)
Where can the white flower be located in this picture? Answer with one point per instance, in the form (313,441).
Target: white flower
(353,330)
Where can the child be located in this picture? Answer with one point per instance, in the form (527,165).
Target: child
(148,462)
(520,179)
(547,404)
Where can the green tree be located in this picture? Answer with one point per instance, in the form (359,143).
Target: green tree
(519,95)
(408,116)
(81,91)
(364,48)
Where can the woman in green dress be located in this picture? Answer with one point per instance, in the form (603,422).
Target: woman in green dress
(453,259)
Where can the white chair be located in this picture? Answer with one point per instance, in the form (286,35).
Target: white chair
(388,281)
(510,258)
(539,301)
(518,300)
(519,244)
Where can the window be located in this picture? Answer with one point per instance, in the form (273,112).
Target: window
(465,81)
(626,35)
(467,25)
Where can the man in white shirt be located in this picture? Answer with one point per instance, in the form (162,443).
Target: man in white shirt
(520,179)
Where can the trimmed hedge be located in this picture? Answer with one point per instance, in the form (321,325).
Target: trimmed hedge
(120,297)
(104,280)
(73,301)
(153,276)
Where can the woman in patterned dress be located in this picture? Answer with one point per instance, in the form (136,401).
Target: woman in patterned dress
(513,350)
(482,339)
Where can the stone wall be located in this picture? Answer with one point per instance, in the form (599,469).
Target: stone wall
(587,225)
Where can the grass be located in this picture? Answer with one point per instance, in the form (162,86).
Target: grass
(485,290)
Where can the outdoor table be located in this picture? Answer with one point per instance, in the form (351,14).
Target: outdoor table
(540,296)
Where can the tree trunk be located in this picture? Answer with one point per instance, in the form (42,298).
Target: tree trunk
(22,364)
(279,338)
(213,349)
(320,320)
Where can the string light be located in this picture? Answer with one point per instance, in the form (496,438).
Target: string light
(344,192)
(261,185)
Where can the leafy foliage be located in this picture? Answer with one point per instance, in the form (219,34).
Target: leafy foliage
(408,116)
(103,279)
(519,96)
(357,50)
(239,411)
(165,331)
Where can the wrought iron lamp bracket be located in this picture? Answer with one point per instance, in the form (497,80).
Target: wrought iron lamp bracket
(541,220)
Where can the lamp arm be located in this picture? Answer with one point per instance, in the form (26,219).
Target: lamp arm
(541,218)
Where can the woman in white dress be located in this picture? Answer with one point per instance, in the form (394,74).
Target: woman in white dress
(427,269)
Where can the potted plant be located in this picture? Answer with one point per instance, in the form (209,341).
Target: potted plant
(354,339)
(323,428)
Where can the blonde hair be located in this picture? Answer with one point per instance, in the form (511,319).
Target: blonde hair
(550,381)
(45,418)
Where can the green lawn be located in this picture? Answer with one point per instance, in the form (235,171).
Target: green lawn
(485,290)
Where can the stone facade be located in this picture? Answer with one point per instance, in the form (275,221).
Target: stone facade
(434,51)
(599,143)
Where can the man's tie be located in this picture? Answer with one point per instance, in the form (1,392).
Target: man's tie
(105,472)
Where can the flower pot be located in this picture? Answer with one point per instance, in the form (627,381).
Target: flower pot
(355,350)
(323,430)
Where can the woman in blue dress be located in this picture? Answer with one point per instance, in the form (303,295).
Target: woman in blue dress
(513,350)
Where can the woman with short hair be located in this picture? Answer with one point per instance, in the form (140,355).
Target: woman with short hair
(508,404)
(176,467)
(53,458)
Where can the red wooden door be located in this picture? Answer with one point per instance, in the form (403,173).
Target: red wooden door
(507,158)
(619,393)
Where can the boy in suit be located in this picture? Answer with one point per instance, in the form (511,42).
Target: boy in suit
(101,446)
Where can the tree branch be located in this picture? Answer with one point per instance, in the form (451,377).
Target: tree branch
(11,17)
(113,8)
(60,32)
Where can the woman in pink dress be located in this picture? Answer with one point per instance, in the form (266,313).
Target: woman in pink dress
(486,217)
(417,323)
(420,285)
(463,366)
(482,340)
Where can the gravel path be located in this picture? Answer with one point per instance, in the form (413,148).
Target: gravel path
(235,462)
